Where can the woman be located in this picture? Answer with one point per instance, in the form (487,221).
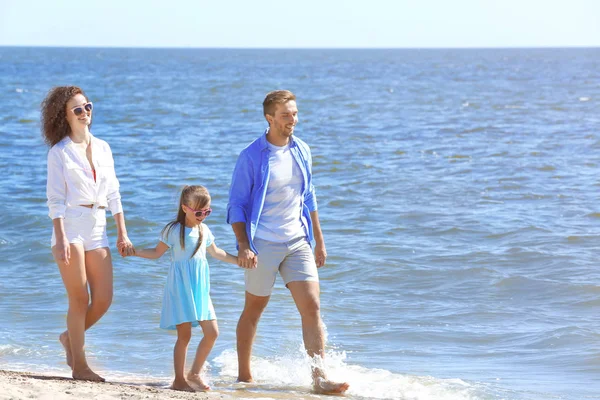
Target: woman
(81,184)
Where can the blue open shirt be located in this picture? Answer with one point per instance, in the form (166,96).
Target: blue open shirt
(250,181)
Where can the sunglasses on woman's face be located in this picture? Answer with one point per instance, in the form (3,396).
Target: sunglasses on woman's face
(79,110)
(200,213)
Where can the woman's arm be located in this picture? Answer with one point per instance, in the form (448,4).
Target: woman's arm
(152,254)
(62,248)
(221,254)
(56,192)
(123,243)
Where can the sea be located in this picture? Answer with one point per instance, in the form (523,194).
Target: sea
(458,193)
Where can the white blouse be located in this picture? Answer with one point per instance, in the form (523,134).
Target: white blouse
(71,179)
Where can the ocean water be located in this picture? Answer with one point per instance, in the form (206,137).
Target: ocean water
(458,193)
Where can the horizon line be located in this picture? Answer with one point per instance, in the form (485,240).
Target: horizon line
(302,48)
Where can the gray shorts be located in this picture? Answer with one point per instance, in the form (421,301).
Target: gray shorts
(294,260)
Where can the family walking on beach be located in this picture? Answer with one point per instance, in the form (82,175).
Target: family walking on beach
(272,210)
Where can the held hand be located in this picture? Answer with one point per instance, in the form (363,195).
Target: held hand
(320,254)
(246,258)
(62,251)
(125,247)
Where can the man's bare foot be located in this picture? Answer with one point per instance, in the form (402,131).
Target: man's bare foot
(64,340)
(245,379)
(197,380)
(87,375)
(325,386)
(182,386)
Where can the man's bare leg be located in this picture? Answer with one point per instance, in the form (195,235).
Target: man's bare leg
(306,297)
(246,332)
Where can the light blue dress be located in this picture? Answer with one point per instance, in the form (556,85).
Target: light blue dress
(187,292)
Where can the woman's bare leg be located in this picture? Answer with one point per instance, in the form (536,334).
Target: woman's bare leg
(99,272)
(75,280)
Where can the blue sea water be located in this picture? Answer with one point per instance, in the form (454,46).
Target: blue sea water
(457,189)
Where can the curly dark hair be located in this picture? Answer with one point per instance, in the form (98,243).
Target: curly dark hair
(54,113)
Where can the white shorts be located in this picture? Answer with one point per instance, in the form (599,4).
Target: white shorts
(85,226)
(294,260)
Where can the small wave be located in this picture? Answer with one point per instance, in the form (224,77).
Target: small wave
(338,203)
(546,168)
(584,99)
(581,238)
(475,130)
(527,231)
(514,282)
(10,350)
(289,377)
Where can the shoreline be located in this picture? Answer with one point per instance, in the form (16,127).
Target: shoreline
(29,385)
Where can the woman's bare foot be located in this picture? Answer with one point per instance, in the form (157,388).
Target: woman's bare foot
(197,380)
(325,386)
(64,340)
(182,385)
(87,375)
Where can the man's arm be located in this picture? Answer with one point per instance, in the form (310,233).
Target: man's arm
(239,196)
(310,200)
(320,251)
(246,257)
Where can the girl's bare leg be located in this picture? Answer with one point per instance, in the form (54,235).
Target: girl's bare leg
(184,334)
(210,330)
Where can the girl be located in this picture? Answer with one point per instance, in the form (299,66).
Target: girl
(186,301)
(81,185)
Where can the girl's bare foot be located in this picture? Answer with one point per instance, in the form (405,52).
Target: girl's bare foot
(325,386)
(64,340)
(87,375)
(196,379)
(182,385)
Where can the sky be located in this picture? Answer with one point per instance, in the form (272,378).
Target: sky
(301,24)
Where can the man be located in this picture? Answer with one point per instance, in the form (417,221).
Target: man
(273,212)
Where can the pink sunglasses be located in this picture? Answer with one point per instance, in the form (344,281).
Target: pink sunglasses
(79,110)
(200,213)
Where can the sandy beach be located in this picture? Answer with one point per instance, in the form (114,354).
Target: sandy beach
(25,385)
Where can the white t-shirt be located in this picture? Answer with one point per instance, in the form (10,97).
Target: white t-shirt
(280,217)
